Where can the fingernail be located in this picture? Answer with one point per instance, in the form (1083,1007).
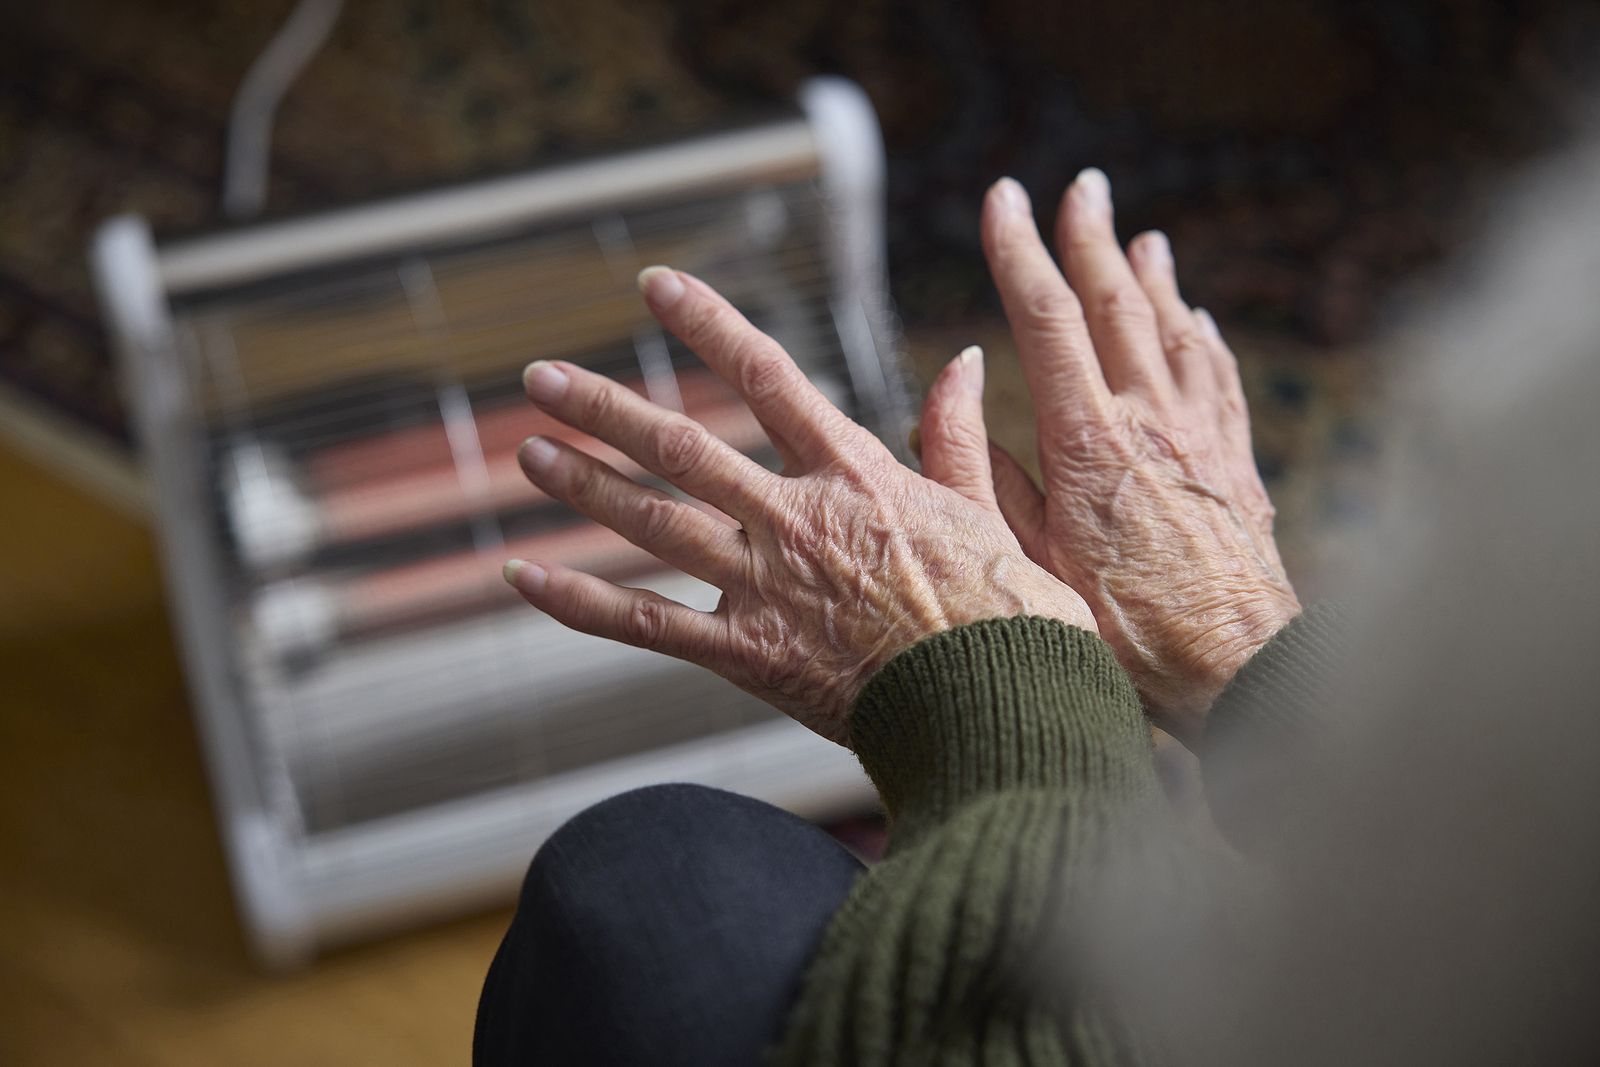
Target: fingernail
(971,359)
(1208,325)
(661,287)
(537,453)
(1012,197)
(1157,248)
(1094,188)
(544,382)
(524,576)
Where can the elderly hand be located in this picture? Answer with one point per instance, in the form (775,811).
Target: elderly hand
(839,563)
(1152,507)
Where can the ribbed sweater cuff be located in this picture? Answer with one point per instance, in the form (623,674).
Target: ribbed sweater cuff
(1284,687)
(1264,734)
(1003,704)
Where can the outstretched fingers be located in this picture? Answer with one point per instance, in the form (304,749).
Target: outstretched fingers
(633,616)
(1119,315)
(954,438)
(674,532)
(806,427)
(1188,351)
(1233,412)
(1053,342)
(666,443)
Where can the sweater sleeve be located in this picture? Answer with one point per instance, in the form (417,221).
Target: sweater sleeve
(1008,753)
(1268,723)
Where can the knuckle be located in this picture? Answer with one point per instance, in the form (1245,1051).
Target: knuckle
(1184,340)
(1049,307)
(580,480)
(680,447)
(645,622)
(597,406)
(1084,437)
(1124,304)
(1079,240)
(658,517)
(762,375)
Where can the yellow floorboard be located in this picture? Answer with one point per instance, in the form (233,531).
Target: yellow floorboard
(118,943)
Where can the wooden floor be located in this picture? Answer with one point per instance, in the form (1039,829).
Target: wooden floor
(118,943)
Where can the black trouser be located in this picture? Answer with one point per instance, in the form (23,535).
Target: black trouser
(669,925)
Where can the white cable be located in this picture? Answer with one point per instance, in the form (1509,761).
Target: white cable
(244,175)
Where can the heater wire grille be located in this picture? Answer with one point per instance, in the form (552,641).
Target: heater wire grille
(359,429)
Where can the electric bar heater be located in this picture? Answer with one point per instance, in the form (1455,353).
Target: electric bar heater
(329,408)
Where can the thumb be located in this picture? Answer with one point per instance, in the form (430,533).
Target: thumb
(954,439)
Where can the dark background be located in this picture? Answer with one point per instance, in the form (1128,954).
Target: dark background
(1305,155)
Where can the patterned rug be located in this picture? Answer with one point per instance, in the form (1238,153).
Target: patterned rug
(1307,156)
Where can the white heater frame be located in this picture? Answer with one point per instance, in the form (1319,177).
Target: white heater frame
(298,895)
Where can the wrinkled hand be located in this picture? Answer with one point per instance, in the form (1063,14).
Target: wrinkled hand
(839,563)
(1152,506)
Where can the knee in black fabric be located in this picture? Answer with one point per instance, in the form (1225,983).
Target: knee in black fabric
(628,813)
(667,925)
(621,831)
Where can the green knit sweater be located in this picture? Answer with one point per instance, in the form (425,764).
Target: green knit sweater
(1013,757)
